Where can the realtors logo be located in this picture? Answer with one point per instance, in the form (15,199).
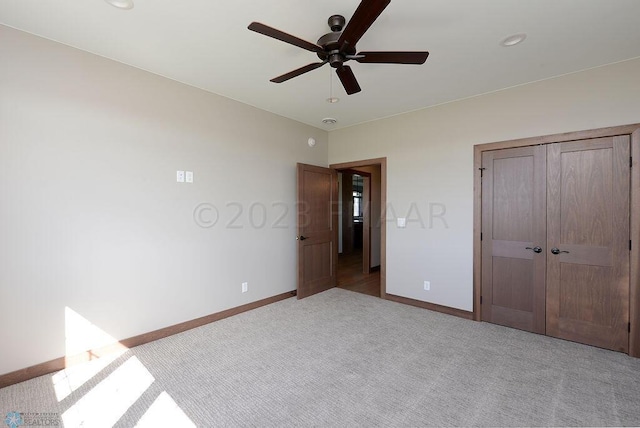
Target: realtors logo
(17,419)
(13,420)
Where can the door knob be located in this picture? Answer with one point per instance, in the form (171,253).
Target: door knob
(556,251)
(302,238)
(534,249)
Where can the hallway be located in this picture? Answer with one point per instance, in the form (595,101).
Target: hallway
(350,276)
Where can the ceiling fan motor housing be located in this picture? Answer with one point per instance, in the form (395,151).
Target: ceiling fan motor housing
(329,43)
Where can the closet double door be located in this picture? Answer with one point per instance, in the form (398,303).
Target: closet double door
(555,240)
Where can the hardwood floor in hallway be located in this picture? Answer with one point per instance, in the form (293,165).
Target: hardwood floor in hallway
(350,276)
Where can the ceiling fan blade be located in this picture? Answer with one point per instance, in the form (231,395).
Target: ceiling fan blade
(348,79)
(393,57)
(298,72)
(281,35)
(365,15)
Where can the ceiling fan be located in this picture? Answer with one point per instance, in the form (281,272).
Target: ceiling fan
(339,46)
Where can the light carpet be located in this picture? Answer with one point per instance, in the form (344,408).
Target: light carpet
(345,359)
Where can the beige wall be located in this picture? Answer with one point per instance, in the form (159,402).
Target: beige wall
(91,216)
(430,166)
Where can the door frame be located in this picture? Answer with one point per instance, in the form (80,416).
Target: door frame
(634,292)
(382,162)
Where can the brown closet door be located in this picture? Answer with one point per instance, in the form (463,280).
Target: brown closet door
(588,222)
(513,225)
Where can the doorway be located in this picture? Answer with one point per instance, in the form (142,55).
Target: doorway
(362,229)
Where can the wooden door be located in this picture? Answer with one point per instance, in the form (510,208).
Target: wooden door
(513,238)
(317,229)
(588,223)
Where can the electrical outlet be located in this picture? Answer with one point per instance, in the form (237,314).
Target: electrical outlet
(180,176)
(245,287)
(189,176)
(427,285)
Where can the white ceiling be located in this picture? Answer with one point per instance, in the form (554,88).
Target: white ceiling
(206,44)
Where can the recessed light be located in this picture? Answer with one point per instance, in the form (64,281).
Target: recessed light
(121,4)
(329,120)
(513,40)
(333,100)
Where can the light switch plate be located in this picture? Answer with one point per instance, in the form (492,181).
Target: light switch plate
(402,222)
(180,176)
(189,176)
